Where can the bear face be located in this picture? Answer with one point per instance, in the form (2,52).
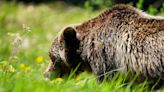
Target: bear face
(64,53)
(122,37)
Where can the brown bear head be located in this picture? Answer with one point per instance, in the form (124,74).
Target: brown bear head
(64,54)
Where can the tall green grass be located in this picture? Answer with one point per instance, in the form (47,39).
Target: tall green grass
(26,33)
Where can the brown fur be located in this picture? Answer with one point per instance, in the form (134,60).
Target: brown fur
(121,37)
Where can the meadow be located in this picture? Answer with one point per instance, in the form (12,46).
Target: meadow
(26,33)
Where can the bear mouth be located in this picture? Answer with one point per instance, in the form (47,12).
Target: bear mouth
(60,70)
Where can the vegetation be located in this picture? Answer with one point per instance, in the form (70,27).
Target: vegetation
(26,33)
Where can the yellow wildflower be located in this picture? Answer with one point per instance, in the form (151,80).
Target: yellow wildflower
(39,59)
(22,66)
(27,69)
(57,80)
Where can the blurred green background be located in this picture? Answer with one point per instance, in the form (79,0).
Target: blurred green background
(27,29)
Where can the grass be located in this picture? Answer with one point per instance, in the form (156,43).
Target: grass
(26,33)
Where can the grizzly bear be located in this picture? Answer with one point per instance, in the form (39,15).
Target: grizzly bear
(122,37)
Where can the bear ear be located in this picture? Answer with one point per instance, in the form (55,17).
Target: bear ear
(69,35)
(67,32)
(70,43)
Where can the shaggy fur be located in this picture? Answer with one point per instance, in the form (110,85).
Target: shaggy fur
(122,37)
